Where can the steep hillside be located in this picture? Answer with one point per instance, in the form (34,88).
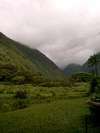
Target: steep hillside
(44,65)
(20,62)
(72,69)
(75,68)
(88,69)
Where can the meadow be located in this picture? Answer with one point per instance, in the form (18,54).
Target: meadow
(63,116)
(49,110)
(33,95)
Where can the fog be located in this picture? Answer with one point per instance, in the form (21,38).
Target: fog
(67,31)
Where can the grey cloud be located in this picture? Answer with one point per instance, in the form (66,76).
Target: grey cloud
(66,31)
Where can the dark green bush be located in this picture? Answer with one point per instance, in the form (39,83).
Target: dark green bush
(5,107)
(93,85)
(7,71)
(18,79)
(82,77)
(20,104)
(21,94)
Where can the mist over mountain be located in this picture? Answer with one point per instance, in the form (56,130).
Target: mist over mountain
(76,68)
(66,31)
(72,68)
(19,62)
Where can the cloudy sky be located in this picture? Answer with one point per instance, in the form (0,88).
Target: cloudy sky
(65,30)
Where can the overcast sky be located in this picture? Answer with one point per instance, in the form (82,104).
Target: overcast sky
(65,30)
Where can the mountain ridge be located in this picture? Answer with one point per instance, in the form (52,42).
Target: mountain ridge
(76,68)
(26,60)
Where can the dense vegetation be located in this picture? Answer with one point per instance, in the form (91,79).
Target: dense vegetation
(36,97)
(21,64)
(50,109)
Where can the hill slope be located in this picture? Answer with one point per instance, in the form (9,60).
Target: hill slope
(24,62)
(44,65)
(72,68)
(75,68)
(87,69)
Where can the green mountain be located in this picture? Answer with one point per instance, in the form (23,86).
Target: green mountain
(21,63)
(75,68)
(86,68)
(72,69)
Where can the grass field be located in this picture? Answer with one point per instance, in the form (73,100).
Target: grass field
(64,113)
(63,116)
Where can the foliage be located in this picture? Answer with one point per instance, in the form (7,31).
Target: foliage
(95,100)
(19,62)
(93,85)
(6,107)
(55,108)
(93,62)
(92,65)
(21,94)
(20,103)
(13,96)
(82,77)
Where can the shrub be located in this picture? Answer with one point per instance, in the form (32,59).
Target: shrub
(93,85)
(20,100)
(7,71)
(21,94)
(20,104)
(82,77)
(6,107)
(19,79)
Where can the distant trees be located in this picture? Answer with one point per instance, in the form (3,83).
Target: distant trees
(93,85)
(7,71)
(21,94)
(93,63)
(81,77)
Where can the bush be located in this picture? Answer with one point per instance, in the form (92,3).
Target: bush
(93,85)
(21,100)
(21,94)
(7,71)
(82,77)
(51,83)
(6,107)
(20,104)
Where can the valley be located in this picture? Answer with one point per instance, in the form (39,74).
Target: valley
(36,96)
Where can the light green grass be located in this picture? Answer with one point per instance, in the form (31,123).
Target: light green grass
(62,116)
(64,113)
(37,94)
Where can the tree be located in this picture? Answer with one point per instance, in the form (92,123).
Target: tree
(93,85)
(93,63)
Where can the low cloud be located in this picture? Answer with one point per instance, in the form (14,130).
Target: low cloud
(66,31)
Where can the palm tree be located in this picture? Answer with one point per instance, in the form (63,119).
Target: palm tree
(93,63)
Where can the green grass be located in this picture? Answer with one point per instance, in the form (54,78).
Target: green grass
(62,116)
(37,95)
(64,113)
